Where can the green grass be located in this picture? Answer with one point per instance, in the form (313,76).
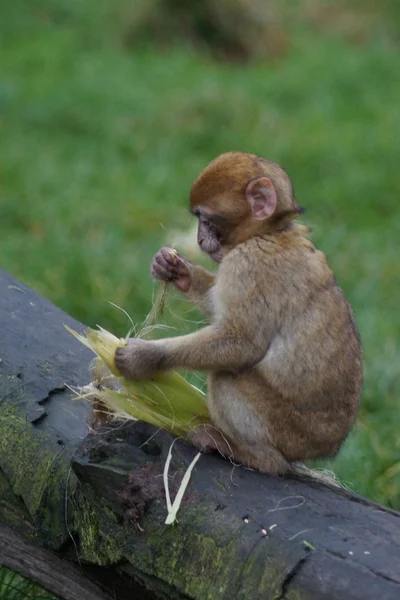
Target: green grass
(100,146)
(14,587)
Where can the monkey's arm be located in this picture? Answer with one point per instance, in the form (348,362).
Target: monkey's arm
(210,349)
(213,348)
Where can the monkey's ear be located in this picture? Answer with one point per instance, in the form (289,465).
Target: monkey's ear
(261,195)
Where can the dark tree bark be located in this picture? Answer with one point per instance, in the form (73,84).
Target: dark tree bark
(66,494)
(46,568)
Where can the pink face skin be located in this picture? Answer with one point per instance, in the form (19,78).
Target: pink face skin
(212,229)
(209,236)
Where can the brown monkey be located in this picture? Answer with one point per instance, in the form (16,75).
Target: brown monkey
(282,348)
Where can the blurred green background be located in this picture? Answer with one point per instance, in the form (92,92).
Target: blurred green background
(110,109)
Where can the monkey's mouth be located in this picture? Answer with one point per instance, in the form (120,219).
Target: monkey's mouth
(209,244)
(216,256)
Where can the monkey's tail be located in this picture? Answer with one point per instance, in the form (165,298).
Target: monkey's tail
(300,471)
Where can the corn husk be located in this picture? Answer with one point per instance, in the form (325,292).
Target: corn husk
(167,400)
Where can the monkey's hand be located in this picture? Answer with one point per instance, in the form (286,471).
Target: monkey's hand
(139,359)
(168,265)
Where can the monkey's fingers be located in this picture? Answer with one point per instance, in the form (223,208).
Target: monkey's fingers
(169,255)
(174,263)
(164,260)
(162,273)
(182,268)
(120,359)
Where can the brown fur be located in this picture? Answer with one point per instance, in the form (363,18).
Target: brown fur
(282,349)
(223,183)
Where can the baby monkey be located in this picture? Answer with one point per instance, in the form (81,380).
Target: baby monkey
(282,348)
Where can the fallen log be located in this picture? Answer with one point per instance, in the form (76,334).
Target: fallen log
(91,505)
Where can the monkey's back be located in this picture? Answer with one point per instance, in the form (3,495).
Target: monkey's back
(307,386)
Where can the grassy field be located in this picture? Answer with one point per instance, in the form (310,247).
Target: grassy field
(14,587)
(100,145)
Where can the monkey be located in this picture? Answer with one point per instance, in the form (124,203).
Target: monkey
(281,346)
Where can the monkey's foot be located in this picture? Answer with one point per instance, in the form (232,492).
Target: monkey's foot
(207,439)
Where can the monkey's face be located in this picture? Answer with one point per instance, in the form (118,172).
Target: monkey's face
(234,201)
(210,234)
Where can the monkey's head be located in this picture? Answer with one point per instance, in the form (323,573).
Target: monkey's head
(237,197)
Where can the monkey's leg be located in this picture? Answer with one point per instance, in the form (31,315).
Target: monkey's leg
(270,461)
(231,401)
(207,438)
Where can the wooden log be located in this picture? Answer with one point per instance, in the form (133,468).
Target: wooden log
(45,568)
(100,495)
